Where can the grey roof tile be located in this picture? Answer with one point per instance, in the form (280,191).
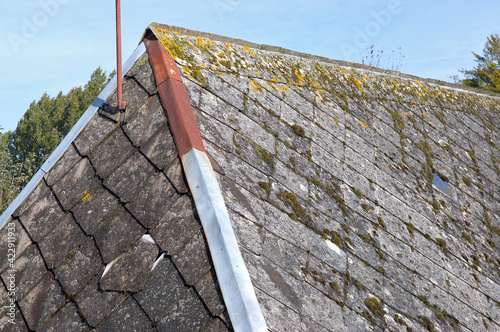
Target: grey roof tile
(193,260)
(39,217)
(158,194)
(160,149)
(176,176)
(96,304)
(28,270)
(128,316)
(126,180)
(10,316)
(74,186)
(97,206)
(66,319)
(66,162)
(188,312)
(79,268)
(42,301)
(162,291)
(146,121)
(111,153)
(13,234)
(60,241)
(176,227)
(96,129)
(207,288)
(143,74)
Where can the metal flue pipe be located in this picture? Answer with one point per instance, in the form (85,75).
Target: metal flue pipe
(121,103)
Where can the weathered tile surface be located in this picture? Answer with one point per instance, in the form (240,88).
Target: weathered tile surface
(94,209)
(349,154)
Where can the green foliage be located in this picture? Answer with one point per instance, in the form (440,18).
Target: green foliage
(38,133)
(486,75)
(11,175)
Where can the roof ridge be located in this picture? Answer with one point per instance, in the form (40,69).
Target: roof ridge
(354,65)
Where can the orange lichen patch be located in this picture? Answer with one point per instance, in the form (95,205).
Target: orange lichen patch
(285,88)
(396,84)
(299,75)
(426,114)
(256,86)
(405,114)
(364,124)
(274,87)
(274,80)
(351,79)
(85,195)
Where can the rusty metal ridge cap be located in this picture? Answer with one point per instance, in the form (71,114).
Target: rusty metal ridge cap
(173,97)
(65,143)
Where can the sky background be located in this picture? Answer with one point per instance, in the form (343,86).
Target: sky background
(54,45)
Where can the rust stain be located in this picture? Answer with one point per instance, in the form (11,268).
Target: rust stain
(174,97)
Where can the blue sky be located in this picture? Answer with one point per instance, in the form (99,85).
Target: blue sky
(54,45)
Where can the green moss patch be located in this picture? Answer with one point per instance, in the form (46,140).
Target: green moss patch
(291,201)
(467,181)
(374,305)
(381,222)
(441,243)
(298,130)
(426,323)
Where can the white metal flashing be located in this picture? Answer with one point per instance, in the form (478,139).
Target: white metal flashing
(234,280)
(66,142)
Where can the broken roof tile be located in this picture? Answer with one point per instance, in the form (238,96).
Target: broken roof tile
(129,271)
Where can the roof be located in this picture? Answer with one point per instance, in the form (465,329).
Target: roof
(359,199)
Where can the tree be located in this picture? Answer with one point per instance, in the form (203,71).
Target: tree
(486,75)
(38,133)
(11,175)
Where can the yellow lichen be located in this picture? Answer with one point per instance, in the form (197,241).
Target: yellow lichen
(85,195)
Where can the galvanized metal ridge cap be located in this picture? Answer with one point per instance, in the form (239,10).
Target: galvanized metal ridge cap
(312,57)
(234,280)
(65,143)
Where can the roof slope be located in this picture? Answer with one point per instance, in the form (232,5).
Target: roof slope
(333,183)
(109,238)
(360,199)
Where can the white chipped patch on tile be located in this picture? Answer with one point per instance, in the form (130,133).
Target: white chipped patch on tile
(146,238)
(158,260)
(334,247)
